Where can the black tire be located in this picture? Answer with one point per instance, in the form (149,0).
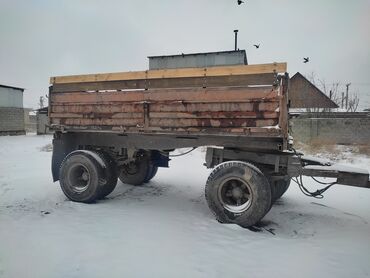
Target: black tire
(81,176)
(135,172)
(152,171)
(250,198)
(278,188)
(110,174)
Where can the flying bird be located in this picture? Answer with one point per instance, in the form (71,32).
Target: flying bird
(240,2)
(306,60)
(257,45)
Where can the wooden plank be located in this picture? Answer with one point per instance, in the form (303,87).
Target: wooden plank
(127,115)
(182,82)
(239,94)
(214,107)
(268,106)
(253,131)
(215,115)
(100,86)
(283,108)
(239,123)
(98,108)
(234,94)
(213,81)
(165,107)
(248,133)
(174,73)
(65,115)
(166,123)
(98,122)
(97,97)
(94,115)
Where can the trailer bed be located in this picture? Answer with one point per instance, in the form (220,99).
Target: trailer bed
(237,101)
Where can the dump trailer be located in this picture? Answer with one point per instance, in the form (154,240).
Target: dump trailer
(125,125)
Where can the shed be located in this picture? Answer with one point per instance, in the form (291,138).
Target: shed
(198,60)
(304,94)
(11,110)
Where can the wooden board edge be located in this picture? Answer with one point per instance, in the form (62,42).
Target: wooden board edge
(173,73)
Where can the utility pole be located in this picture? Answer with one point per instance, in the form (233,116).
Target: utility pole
(342,99)
(347,88)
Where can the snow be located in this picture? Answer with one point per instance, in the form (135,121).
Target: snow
(338,168)
(319,160)
(165,229)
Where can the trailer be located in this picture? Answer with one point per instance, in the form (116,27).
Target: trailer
(125,126)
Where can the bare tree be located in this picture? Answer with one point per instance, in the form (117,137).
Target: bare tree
(41,102)
(353,101)
(331,90)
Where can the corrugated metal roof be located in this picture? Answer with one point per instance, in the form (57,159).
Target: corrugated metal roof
(198,60)
(12,87)
(200,53)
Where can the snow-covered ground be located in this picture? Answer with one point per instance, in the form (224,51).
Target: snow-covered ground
(165,229)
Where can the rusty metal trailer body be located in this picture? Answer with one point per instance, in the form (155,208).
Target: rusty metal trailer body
(132,120)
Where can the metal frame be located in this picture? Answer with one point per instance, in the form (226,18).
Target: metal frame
(290,164)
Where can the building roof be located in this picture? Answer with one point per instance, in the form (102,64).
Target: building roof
(43,110)
(200,53)
(12,87)
(198,60)
(304,94)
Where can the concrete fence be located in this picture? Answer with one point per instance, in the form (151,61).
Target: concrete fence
(331,129)
(11,121)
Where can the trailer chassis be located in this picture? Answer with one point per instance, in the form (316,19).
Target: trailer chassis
(249,173)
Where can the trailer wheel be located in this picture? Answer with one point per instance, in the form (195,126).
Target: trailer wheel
(278,188)
(81,176)
(238,192)
(135,172)
(110,174)
(152,171)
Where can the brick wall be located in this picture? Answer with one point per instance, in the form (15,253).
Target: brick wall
(11,121)
(331,130)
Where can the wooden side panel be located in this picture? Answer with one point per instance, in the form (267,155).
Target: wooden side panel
(238,110)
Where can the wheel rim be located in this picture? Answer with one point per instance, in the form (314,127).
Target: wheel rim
(131,168)
(235,195)
(78,178)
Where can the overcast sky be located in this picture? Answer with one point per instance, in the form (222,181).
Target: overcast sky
(43,38)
